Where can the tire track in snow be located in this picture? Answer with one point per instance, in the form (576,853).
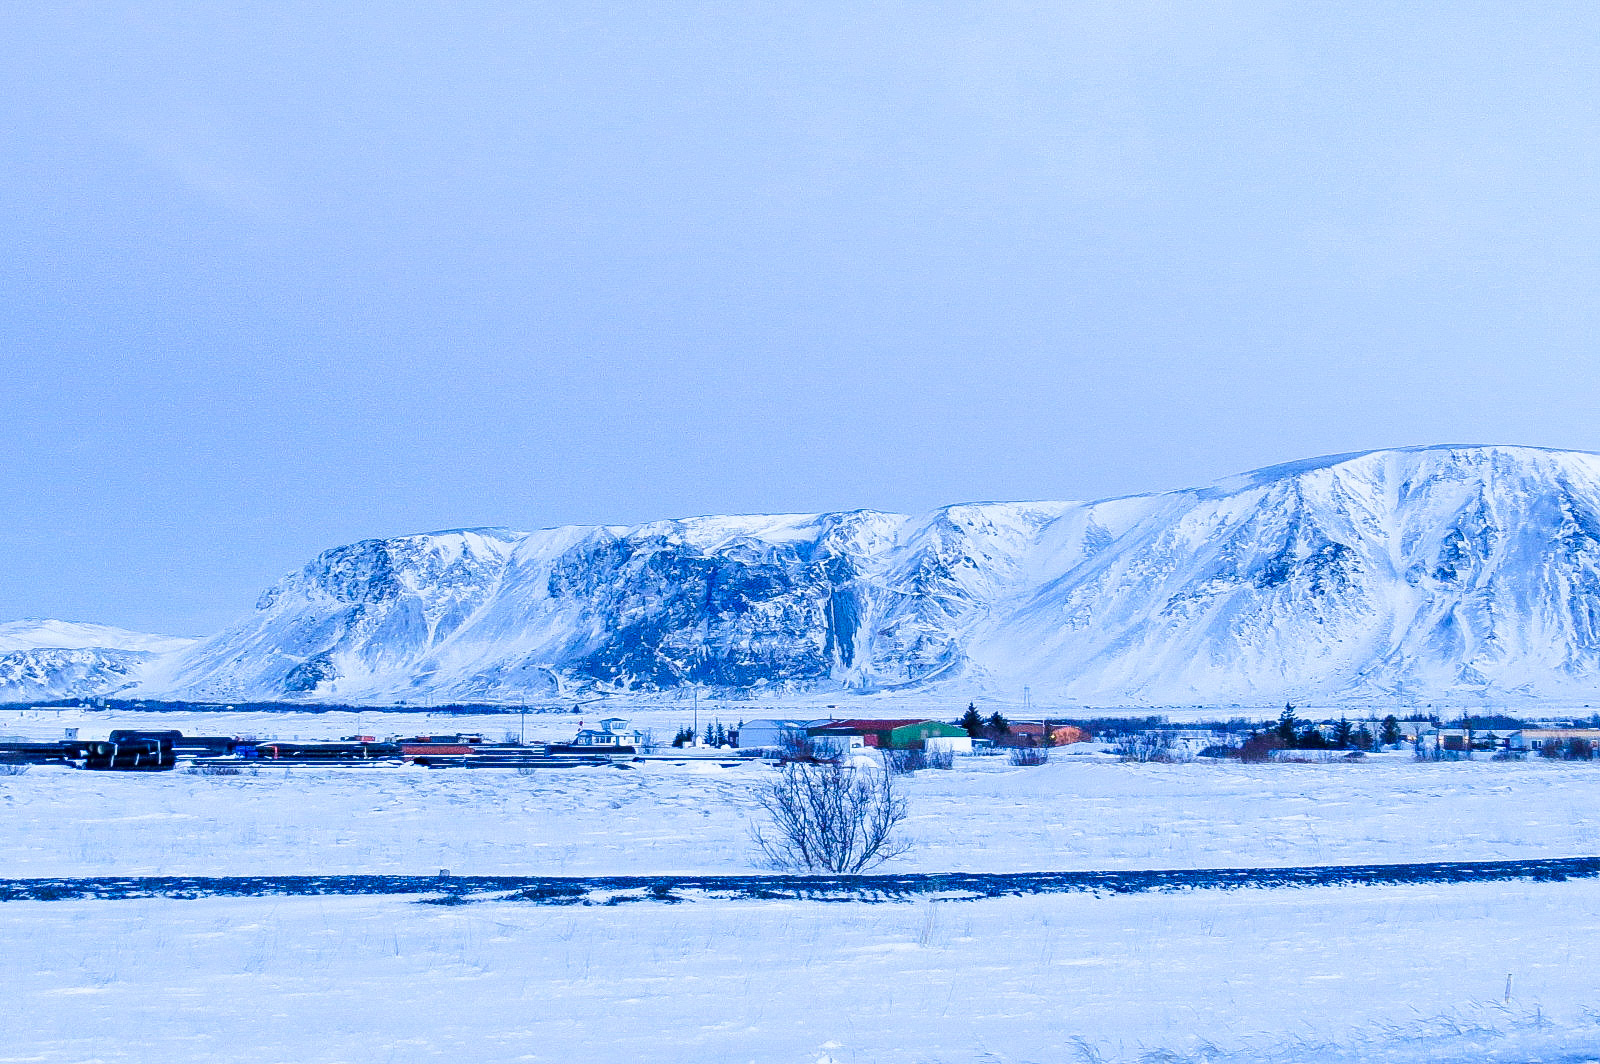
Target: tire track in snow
(612,890)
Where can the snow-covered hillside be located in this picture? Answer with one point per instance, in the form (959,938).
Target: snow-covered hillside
(42,660)
(1443,572)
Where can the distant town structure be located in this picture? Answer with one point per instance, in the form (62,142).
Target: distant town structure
(613,732)
(768,733)
(1060,734)
(1536,740)
(910,734)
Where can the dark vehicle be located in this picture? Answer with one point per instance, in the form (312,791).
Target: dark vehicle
(124,753)
(594,750)
(439,745)
(503,755)
(321,752)
(58,753)
(128,755)
(182,745)
(499,761)
(122,735)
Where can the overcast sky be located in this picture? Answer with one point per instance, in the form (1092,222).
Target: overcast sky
(279,276)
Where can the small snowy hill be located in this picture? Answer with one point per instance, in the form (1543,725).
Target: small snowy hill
(76,635)
(1441,572)
(44,660)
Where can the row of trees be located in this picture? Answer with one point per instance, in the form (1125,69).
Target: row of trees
(994,727)
(715,735)
(1294,734)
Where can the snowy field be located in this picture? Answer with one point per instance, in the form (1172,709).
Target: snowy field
(982,816)
(1413,973)
(1329,974)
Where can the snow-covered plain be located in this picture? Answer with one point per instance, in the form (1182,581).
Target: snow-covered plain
(694,818)
(1079,812)
(1330,974)
(1413,973)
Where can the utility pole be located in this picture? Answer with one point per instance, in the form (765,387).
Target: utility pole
(522,728)
(696,690)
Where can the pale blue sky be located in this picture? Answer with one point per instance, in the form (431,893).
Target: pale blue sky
(276,277)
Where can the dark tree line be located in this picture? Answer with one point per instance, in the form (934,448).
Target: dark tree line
(994,727)
(1292,733)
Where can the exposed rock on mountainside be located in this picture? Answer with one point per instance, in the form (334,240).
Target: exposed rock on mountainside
(1446,572)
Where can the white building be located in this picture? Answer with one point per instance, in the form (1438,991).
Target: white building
(613,732)
(768,733)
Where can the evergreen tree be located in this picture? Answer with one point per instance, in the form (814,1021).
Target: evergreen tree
(972,721)
(1343,734)
(1362,738)
(1288,726)
(1389,735)
(998,725)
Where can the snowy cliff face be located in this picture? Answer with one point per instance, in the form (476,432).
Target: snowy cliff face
(1415,574)
(45,660)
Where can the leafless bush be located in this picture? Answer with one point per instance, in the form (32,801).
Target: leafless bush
(1028,756)
(1570,750)
(1258,748)
(216,770)
(945,759)
(796,746)
(904,762)
(829,817)
(1146,746)
(12,770)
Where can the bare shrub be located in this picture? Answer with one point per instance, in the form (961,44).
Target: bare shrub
(1258,748)
(904,762)
(828,817)
(1145,747)
(12,770)
(945,759)
(216,770)
(797,746)
(1028,756)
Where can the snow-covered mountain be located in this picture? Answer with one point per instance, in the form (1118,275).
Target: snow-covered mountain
(1442,572)
(43,660)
